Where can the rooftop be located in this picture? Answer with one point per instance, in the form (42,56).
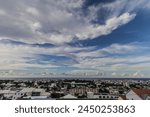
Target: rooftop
(142,92)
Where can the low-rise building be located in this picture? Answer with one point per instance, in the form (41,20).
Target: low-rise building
(83,90)
(68,96)
(90,95)
(30,92)
(138,94)
(122,97)
(8,94)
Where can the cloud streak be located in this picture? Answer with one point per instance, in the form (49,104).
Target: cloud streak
(55,22)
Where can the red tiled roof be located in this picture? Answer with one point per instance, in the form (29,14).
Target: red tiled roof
(141,92)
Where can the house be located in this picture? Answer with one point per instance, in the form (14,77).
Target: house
(148,98)
(27,91)
(53,85)
(23,92)
(82,90)
(36,98)
(30,92)
(37,92)
(138,94)
(23,85)
(90,95)
(8,94)
(122,97)
(69,96)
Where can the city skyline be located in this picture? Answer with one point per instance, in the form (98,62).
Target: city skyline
(109,38)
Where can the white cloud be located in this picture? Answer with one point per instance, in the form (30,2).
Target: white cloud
(93,31)
(112,49)
(59,22)
(55,21)
(33,11)
(18,56)
(2,12)
(137,74)
(115,57)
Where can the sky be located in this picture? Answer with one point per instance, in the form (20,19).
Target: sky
(109,38)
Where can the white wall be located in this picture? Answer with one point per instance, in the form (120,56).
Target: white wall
(132,96)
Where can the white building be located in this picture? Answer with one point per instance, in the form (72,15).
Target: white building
(38,92)
(8,94)
(27,91)
(69,96)
(53,85)
(90,95)
(30,92)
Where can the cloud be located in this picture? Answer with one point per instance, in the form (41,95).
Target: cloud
(114,57)
(30,25)
(93,31)
(14,57)
(110,50)
(88,59)
(137,74)
(29,56)
(57,22)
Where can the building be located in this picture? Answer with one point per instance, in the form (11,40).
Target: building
(90,95)
(138,94)
(69,96)
(27,92)
(83,90)
(122,97)
(8,94)
(38,92)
